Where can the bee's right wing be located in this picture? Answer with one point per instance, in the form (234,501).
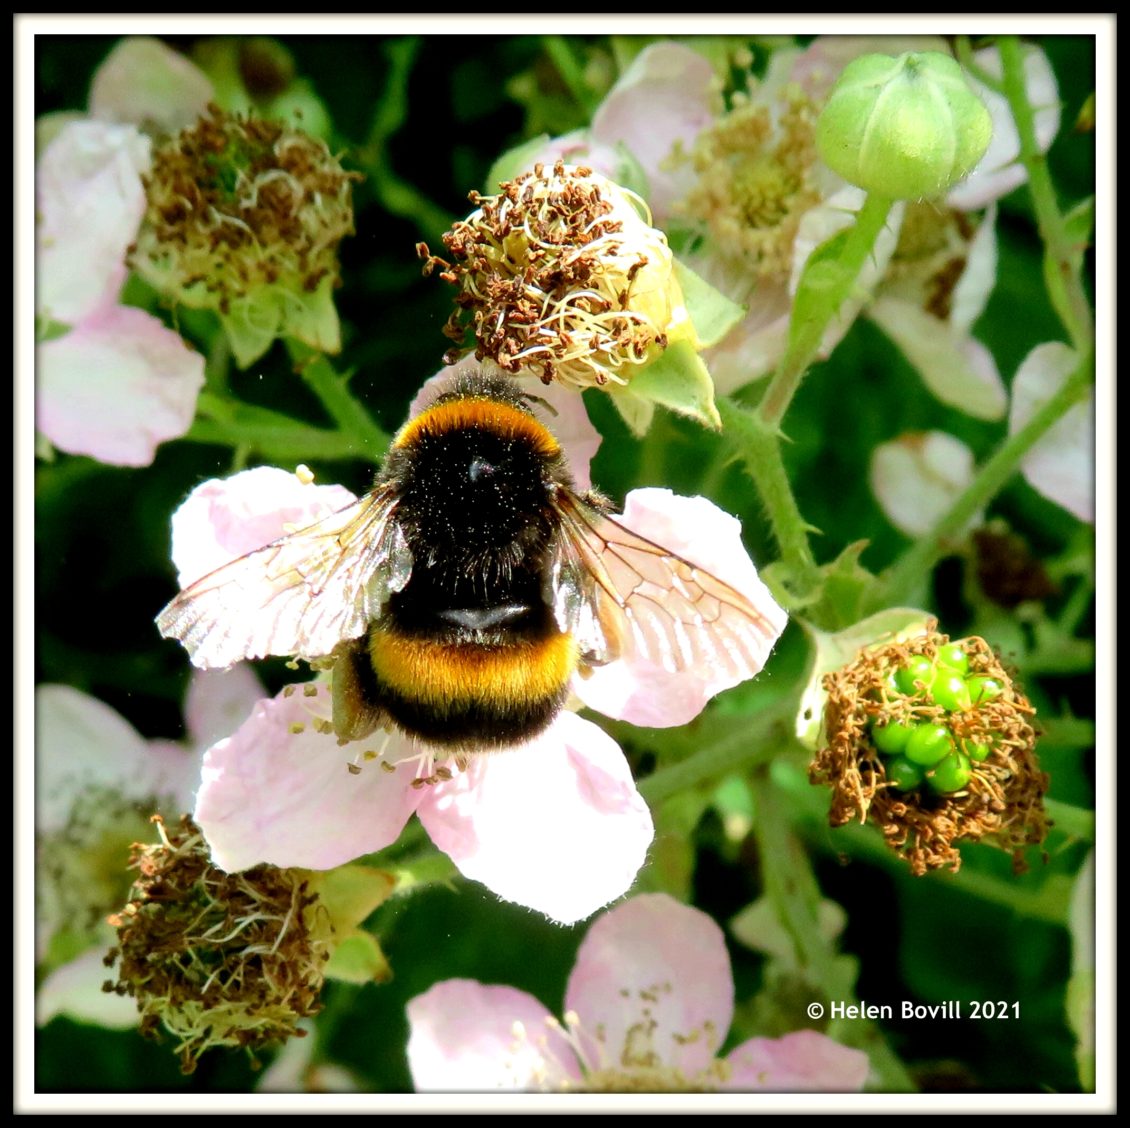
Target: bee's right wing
(300,595)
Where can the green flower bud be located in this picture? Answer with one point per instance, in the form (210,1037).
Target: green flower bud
(907,128)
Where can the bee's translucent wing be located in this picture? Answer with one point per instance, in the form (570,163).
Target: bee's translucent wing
(623,595)
(300,595)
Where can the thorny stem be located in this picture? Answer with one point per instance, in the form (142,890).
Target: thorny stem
(824,289)
(792,888)
(751,744)
(760,450)
(332,390)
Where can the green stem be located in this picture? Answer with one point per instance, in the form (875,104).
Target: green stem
(825,285)
(332,389)
(273,436)
(793,891)
(759,446)
(1076,311)
(917,562)
(756,740)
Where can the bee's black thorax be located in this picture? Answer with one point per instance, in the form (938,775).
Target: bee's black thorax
(468,653)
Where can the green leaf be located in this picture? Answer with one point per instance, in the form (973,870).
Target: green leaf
(1079,227)
(350,893)
(679,380)
(514,161)
(634,410)
(832,651)
(824,282)
(359,959)
(712,313)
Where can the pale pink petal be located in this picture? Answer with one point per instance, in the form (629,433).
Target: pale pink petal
(662,102)
(754,347)
(75,990)
(144,82)
(469,1037)
(1061,465)
(819,65)
(999,171)
(225,518)
(556,824)
(917,478)
(219,701)
(89,200)
(555,406)
(697,530)
(652,960)
(802,1062)
(116,387)
(83,745)
(270,794)
(957,369)
(979,276)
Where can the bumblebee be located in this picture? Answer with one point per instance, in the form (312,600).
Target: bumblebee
(457,599)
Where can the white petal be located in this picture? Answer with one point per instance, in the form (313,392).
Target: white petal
(556,824)
(998,172)
(229,517)
(662,101)
(802,1062)
(653,960)
(75,990)
(89,201)
(469,1037)
(979,276)
(83,744)
(143,81)
(697,530)
(1061,465)
(958,369)
(917,478)
(219,701)
(116,387)
(269,794)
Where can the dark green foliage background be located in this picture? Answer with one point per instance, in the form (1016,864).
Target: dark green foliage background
(103,570)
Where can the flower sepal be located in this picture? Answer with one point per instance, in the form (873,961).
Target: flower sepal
(346,896)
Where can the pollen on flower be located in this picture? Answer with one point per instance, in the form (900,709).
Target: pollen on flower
(562,275)
(217,959)
(642,1063)
(932,741)
(756,179)
(244,216)
(82,866)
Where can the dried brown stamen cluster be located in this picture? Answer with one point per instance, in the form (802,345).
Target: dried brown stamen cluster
(560,274)
(238,203)
(217,959)
(1002,801)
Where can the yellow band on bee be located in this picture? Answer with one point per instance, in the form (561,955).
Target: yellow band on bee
(461,414)
(442,675)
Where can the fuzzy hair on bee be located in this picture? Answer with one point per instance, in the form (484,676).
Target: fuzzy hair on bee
(458,598)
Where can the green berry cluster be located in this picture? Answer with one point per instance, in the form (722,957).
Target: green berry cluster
(928,752)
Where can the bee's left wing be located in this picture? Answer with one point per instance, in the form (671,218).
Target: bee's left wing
(621,594)
(300,595)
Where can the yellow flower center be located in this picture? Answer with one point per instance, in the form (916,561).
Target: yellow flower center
(755,181)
